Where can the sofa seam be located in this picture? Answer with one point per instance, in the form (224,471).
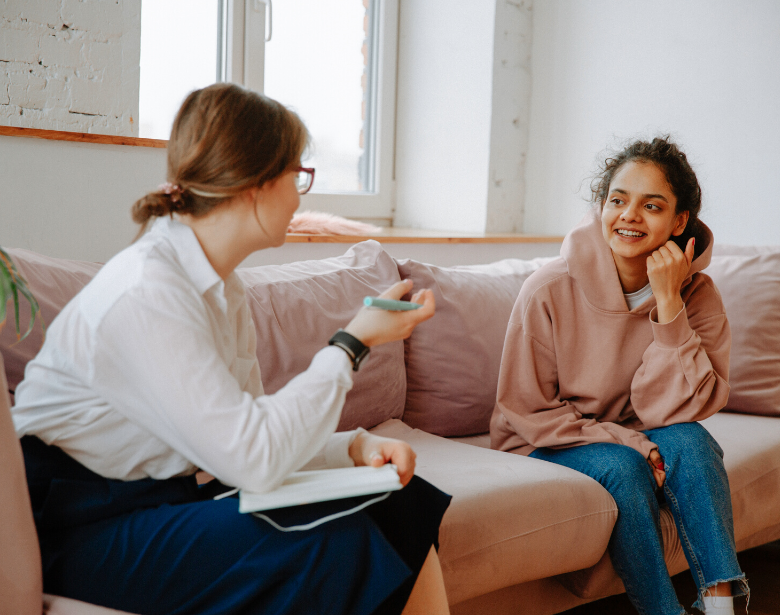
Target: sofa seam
(758,478)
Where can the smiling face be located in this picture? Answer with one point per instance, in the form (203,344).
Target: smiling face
(639,214)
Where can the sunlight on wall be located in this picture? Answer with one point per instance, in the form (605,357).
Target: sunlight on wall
(178,55)
(314,64)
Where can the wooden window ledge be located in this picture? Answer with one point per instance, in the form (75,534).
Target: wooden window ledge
(80,137)
(407,235)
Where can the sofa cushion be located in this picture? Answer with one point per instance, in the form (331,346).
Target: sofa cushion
(453,359)
(751,446)
(299,306)
(512,518)
(56,605)
(53,282)
(749,282)
(295,307)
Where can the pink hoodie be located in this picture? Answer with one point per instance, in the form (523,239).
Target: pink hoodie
(578,367)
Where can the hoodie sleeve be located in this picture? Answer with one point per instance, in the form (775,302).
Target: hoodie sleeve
(528,404)
(684,372)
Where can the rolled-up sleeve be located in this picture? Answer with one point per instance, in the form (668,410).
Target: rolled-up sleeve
(684,372)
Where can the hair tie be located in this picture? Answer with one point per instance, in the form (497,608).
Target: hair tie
(173,190)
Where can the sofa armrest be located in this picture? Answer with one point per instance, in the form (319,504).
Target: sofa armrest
(57,605)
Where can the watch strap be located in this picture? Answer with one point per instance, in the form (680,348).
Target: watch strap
(356,350)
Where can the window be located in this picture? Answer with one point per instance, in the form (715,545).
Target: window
(178,55)
(332,61)
(325,83)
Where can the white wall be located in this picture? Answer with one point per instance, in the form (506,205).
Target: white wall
(463,95)
(73,200)
(445,62)
(602,70)
(510,115)
(70,65)
(707,71)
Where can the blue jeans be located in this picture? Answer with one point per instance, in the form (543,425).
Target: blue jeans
(697,492)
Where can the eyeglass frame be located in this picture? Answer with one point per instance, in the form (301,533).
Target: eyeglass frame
(310,172)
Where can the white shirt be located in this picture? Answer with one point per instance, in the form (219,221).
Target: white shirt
(634,300)
(150,371)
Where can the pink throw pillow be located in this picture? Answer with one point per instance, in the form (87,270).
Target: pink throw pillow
(297,308)
(748,279)
(53,282)
(731,250)
(453,360)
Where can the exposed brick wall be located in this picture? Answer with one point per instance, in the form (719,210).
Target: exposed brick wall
(70,65)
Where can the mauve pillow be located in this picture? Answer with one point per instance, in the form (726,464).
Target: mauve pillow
(732,250)
(53,282)
(748,279)
(297,308)
(452,360)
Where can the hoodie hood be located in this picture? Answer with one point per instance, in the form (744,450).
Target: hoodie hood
(590,263)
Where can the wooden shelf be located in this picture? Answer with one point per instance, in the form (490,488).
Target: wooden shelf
(81,137)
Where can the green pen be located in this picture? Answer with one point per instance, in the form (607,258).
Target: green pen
(390,304)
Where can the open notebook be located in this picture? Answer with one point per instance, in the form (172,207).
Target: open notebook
(322,485)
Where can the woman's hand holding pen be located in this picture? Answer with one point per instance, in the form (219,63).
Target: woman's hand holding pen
(374,326)
(370,450)
(377,326)
(667,269)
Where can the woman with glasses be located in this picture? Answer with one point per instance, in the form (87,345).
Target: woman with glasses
(150,373)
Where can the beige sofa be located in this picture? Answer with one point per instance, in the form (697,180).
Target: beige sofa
(521,535)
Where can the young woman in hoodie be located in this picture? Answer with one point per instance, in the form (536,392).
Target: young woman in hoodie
(613,353)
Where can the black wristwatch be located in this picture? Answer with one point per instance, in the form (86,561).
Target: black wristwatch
(355,349)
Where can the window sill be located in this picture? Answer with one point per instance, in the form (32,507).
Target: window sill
(406,235)
(79,137)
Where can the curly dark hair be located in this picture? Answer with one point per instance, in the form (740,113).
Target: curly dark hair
(668,157)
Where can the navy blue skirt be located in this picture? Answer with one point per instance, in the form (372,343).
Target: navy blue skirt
(165,547)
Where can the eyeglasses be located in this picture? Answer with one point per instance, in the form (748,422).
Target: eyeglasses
(304,179)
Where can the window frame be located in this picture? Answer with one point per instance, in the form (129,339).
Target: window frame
(242,57)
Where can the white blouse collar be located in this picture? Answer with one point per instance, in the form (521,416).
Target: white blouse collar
(189,251)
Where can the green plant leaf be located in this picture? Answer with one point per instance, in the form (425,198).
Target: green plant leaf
(5,290)
(6,280)
(15,290)
(11,285)
(35,312)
